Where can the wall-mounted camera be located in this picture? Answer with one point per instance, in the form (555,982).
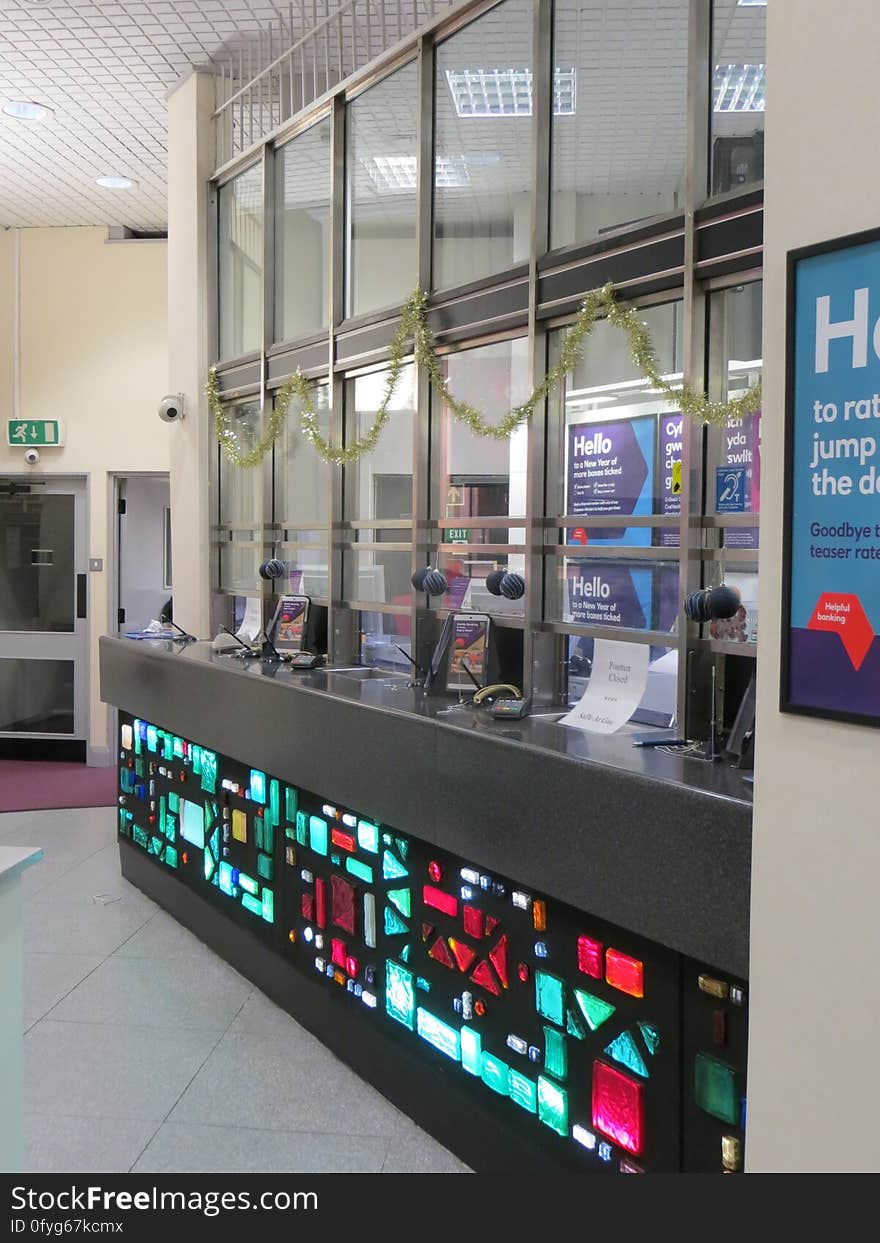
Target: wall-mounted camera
(32,456)
(172,408)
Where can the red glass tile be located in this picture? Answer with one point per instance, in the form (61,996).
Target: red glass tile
(590,957)
(473,921)
(464,955)
(338,952)
(482,974)
(343,904)
(428,931)
(345,841)
(624,973)
(719,1027)
(308,906)
(523,972)
(320,902)
(435,871)
(491,924)
(441,901)
(351,966)
(618,1107)
(498,955)
(439,951)
(479,1008)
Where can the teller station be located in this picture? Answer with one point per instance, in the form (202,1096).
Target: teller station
(531,939)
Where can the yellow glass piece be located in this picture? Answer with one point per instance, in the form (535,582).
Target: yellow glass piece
(539,915)
(715,988)
(731,1152)
(239,826)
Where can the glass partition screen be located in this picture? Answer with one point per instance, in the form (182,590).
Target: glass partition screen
(240,252)
(302,234)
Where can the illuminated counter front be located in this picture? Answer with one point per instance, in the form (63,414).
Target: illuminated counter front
(507,936)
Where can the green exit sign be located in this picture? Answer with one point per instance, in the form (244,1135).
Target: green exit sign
(458,535)
(34,432)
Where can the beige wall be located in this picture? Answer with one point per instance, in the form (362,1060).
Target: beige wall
(93,350)
(815,1009)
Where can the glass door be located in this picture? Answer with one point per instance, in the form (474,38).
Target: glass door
(43,608)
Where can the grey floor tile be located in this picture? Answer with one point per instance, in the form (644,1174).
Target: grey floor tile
(294,1085)
(261,1017)
(184,1148)
(97,874)
(77,832)
(49,977)
(104,1071)
(416,1152)
(164,938)
(58,1144)
(185,995)
(83,924)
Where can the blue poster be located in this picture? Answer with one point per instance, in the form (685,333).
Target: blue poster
(671,432)
(831,657)
(611,471)
(730,489)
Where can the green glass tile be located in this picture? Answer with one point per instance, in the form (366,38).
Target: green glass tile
(550,997)
(394,925)
(625,1051)
(268,911)
(400,1000)
(405,953)
(290,833)
(209,772)
(291,800)
(173,801)
(392,868)
(224,870)
(248,884)
(386,838)
(140,768)
(272,814)
(152,738)
(401,899)
(126,780)
(156,846)
(593,1008)
(162,815)
(471,1051)
(422,983)
(137,739)
(265,867)
(650,1035)
(139,835)
(555,1053)
(257,786)
(575,1025)
(251,904)
(552,1105)
(360,870)
(438,1034)
(495,1074)
(715,1088)
(171,856)
(336,860)
(402,846)
(522,1091)
(123,821)
(192,824)
(318,835)
(368,836)
(196,756)
(301,829)
(259,833)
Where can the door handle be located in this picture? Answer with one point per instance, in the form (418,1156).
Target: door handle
(81,596)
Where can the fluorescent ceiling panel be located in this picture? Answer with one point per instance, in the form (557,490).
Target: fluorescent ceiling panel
(507,92)
(739,88)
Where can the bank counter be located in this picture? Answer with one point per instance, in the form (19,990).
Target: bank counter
(533,941)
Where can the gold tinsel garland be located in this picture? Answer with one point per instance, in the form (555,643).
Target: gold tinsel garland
(414,327)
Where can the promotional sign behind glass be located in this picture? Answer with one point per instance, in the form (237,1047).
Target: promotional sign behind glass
(831,586)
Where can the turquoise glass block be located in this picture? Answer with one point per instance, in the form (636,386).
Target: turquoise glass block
(471,1051)
(401,899)
(574,1025)
(555,1053)
(368,836)
(291,800)
(394,925)
(550,997)
(268,911)
(422,983)
(402,846)
(715,1088)
(152,738)
(251,904)
(156,846)
(209,864)
(400,999)
(196,754)
(553,1105)
(405,953)
(651,1036)
(192,823)
(495,1074)
(138,726)
(272,814)
(439,1034)
(392,868)
(248,884)
(139,835)
(594,1009)
(126,779)
(162,815)
(386,838)
(225,878)
(336,860)
(301,829)
(625,1050)
(173,801)
(177,747)
(140,768)
(360,870)
(124,818)
(318,835)
(171,856)
(257,786)
(259,833)
(522,1091)
(265,867)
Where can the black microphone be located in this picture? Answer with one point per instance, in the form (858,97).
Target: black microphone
(418,668)
(190,638)
(505,583)
(470,673)
(239,641)
(269,650)
(712,603)
(432,582)
(272,568)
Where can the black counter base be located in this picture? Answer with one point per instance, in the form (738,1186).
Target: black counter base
(434,1101)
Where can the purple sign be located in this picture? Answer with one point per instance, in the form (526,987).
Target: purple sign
(741,447)
(469,646)
(602,593)
(611,471)
(671,442)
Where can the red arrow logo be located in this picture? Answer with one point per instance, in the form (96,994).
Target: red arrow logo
(844,614)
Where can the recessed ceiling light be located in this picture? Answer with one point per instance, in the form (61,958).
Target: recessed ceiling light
(507,92)
(739,88)
(115,183)
(26,110)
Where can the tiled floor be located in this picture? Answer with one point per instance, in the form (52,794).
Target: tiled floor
(146,1052)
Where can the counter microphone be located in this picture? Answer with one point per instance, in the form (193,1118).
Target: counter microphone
(272,568)
(432,582)
(185,634)
(712,603)
(504,583)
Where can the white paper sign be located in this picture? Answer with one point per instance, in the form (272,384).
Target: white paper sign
(252,622)
(615,690)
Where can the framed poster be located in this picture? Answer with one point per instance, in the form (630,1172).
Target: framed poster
(289,623)
(610,471)
(831,551)
(469,646)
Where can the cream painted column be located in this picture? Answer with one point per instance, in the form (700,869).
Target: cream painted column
(190,165)
(13,861)
(815,943)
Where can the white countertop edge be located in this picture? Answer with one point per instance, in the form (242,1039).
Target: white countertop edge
(16,858)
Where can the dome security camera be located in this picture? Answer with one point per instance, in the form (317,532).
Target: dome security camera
(172,408)
(32,456)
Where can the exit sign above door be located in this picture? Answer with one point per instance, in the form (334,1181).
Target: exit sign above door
(39,433)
